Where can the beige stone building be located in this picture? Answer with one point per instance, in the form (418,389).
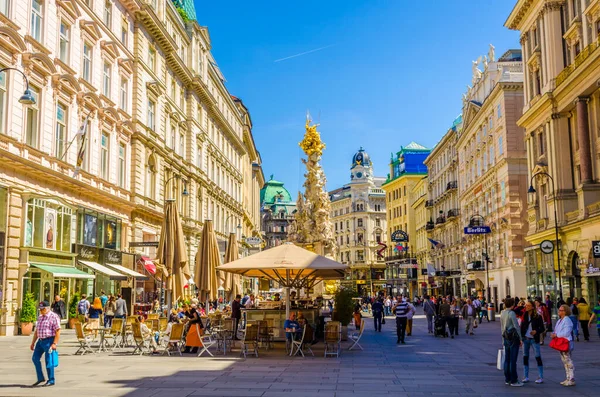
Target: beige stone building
(359,225)
(420,207)
(160,124)
(443,221)
(561,118)
(492,178)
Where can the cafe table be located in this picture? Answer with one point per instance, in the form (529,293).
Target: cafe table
(102,331)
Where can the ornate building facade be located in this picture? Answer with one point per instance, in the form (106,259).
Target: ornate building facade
(358,215)
(158,124)
(492,178)
(560,42)
(278,210)
(406,170)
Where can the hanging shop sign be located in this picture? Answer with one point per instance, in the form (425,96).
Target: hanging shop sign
(253,240)
(596,249)
(547,247)
(112,256)
(139,244)
(86,253)
(478,230)
(592,271)
(399,236)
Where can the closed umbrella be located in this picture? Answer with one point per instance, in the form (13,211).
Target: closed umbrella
(171,251)
(232,281)
(207,260)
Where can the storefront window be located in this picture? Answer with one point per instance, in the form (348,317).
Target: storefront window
(49,225)
(99,230)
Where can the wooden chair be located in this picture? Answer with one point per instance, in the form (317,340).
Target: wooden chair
(174,338)
(355,337)
(265,335)
(250,339)
(333,338)
(207,341)
(116,331)
(142,344)
(83,339)
(162,324)
(153,324)
(153,316)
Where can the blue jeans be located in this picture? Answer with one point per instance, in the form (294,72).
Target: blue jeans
(575,325)
(527,343)
(511,353)
(429,323)
(41,347)
(377,320)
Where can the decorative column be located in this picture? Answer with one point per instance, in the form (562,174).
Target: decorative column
(583,135)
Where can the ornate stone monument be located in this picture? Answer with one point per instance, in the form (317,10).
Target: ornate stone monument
(312,228)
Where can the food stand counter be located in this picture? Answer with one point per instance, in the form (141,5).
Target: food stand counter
(277,318)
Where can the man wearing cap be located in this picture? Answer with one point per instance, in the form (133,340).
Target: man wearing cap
(47,334)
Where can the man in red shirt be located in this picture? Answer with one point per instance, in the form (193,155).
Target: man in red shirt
(47,334)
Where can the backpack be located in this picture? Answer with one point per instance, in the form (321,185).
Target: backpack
(82,307)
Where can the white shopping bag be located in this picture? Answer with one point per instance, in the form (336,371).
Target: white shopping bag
(500,360)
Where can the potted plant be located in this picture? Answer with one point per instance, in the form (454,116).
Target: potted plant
(344,308)
(27,314)
(73,309)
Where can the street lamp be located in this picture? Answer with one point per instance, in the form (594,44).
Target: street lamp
(238,227)
(27,98)
(474,222)
(177,176)
(533,191)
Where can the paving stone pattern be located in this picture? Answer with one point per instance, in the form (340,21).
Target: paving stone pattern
(425,366)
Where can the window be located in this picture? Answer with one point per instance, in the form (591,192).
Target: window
(542,143)
(104,143)
(123,94)
(360,222)
(500,147)
(172,143)
(499,111)
(151,114)
(152,58)
(2,100)
(48,225)
(32,120)
(502,193)
(122,168)
(124,31)
(181,143)
(61,130)
(199,157)
(63,42)
(491,123)
(492,155)
(107,13)
(36,20)
(4,7)
(106,71)
(87,62)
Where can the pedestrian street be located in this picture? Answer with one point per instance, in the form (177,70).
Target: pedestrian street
(424,366)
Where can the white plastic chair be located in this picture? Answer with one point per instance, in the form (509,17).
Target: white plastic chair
(207,342)
(355,337)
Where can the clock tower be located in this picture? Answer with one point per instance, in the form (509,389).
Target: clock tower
(361,170)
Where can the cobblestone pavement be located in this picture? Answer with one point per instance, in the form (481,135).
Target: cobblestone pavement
(424,366)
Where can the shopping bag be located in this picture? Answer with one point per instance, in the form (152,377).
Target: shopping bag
(383,321)
(500,359)
(52,359)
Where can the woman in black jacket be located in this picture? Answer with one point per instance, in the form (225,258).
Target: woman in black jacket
(532,327)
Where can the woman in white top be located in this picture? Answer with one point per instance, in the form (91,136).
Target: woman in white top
(564,329)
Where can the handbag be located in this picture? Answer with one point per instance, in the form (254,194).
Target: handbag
(52,358)
(475,324)
(560,344)
(383,320)
(500,359)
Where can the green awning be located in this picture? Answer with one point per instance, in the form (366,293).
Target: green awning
(63,271)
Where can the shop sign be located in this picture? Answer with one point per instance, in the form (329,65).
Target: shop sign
(361,282)
(408,266)
(470,277)
(253,240)
(442,273)
(140,244)
(403,275)
(547,247)
(111,256)
(424,272)
(592,271)
(478,230)
(399,236)
(86,253)
(596,249)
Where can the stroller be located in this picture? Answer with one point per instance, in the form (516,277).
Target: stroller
(439,327)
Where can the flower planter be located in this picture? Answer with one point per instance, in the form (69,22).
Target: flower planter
(26,329)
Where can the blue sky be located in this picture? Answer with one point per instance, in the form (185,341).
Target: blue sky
(393,72)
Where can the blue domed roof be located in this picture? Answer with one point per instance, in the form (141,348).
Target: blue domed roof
(361,158)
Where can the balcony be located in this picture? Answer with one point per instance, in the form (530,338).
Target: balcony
(440,220)
(452,185)
(429,226)
(453,213)
(428,203)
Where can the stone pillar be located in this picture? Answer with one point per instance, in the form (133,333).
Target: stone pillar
(583,135)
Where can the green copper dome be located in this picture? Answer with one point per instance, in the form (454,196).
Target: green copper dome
(187,6)
(273,192)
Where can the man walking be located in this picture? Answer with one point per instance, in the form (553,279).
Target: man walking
(469,313)
(58,307)
(388,306)
(511,335)
(445,314)
(401,310)
(377,314)
(121,304)
(429,310)
(83,307)
(103,298)
(236,313)
(47,335)
(596,317)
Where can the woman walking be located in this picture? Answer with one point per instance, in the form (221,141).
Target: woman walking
(532,326)
(564,329)
(94,315)
(109,311)
(585,313)
(454,316)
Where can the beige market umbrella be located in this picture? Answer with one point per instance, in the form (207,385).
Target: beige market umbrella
(207,260)
(291,266)
(172,253)
(231,281)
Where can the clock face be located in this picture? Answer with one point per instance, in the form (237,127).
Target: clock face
(359,174)
(359,158)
